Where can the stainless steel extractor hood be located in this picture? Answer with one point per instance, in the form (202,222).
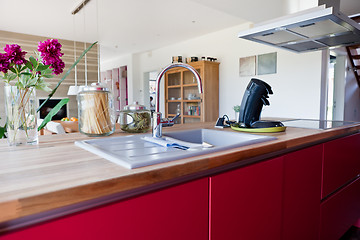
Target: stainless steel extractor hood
(313,29)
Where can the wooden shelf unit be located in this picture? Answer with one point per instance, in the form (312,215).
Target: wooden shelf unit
(180,83)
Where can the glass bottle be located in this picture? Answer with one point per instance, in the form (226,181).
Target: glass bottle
(96,110)
(135,118)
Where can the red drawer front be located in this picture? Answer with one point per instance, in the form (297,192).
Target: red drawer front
(179,212)
(340,211)
(341,162)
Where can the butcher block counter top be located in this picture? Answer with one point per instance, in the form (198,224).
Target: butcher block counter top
(56,174)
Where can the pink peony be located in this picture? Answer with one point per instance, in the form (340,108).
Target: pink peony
(51,52)
(58,67)
(15,54)
(4,63)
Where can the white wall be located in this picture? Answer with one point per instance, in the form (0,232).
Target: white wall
(296,84)
(339,88)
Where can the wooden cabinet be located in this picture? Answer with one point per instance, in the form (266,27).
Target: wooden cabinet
(179,212)
(301,194)
(246,203)
(181,92)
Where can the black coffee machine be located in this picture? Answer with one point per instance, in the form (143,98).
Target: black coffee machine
(254,98)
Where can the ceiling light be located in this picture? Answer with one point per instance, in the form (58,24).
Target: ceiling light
(73,90)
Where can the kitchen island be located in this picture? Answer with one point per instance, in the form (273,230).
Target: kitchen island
(307,179)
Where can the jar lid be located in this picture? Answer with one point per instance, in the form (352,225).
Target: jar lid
(98,87)
(135,106)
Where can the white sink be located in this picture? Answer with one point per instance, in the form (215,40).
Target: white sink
(133,152)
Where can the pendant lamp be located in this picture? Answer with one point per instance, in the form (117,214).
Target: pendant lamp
(85,58)
(73,90)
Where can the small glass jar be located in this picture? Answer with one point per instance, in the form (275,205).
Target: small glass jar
(135,118)
(96,110)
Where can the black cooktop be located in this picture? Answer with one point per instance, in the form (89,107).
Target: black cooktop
(316,124)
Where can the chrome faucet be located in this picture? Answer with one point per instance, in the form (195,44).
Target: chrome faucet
(158,122)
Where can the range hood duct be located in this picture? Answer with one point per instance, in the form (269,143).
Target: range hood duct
(313,29)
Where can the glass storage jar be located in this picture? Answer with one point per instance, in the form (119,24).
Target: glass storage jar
(135,118)
(96,110)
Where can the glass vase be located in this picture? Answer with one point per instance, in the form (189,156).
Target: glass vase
(20,107)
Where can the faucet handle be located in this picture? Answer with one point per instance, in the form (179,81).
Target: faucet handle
(174,118)
(159,123)
(166,122)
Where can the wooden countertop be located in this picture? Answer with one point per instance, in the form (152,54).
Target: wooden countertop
(56,173)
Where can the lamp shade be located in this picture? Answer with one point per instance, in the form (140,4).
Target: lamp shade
(73,90)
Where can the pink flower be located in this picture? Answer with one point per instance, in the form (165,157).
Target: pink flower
(14,54)
(4,63)
(51,52)
(58,67)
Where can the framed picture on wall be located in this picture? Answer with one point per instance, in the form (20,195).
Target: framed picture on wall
(267,63)
(247,66)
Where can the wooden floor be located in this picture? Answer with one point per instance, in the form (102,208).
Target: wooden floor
(352,234)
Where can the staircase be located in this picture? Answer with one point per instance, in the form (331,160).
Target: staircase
(354,57)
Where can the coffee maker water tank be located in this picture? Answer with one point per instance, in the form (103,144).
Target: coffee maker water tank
(254,98)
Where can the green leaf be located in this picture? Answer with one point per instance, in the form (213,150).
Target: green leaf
(13,70)
(26,73)
(32,82)
(42,67)
(29,65)
(2,132)
(43,88)
(65,75)
(23,68)
(24,79)
(33,61)
(47,71)
(47,76)
(53,112)
(19,85)
(11,77)
(42,85)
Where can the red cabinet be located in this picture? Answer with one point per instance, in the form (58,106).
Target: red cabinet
(275,199)
(282,198)
(301,194)
(179,212)
(340,191)
(341,162)
(246,203)
(340,211)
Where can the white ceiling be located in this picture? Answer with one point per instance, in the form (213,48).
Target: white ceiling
(130,26)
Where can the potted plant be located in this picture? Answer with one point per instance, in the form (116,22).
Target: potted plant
(237,110)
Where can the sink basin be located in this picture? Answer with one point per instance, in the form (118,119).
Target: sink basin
(132,151)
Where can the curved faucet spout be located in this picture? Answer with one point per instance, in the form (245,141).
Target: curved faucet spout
(157,121)
(174,65)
